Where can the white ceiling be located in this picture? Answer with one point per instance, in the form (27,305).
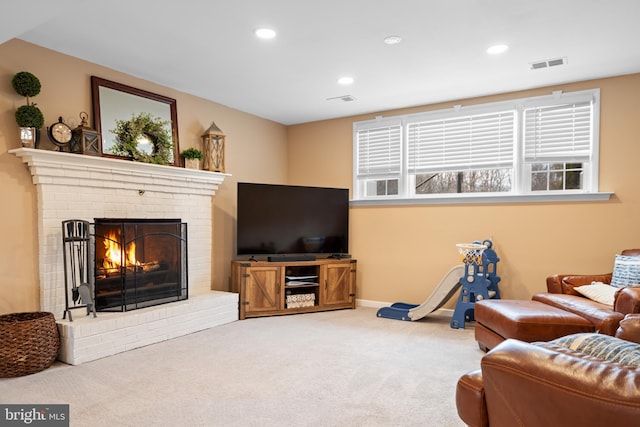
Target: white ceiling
(207,47)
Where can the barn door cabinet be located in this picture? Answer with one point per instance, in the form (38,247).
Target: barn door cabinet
(275,288)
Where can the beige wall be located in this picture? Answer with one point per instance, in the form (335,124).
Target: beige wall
(256,151)
(403,251)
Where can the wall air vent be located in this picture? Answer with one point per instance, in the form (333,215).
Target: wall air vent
(548,63)
(345,98)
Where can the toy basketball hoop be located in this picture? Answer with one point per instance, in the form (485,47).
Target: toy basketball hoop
(471,253)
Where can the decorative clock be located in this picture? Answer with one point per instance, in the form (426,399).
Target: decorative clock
(60,133)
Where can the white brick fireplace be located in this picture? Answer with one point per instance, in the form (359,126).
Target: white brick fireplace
(73,186)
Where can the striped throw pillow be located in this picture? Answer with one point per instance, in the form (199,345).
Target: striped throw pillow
(626,271)
(603,347)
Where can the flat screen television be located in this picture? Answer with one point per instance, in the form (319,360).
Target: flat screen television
(285,220)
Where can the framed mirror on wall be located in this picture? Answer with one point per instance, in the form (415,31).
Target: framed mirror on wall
(113,102)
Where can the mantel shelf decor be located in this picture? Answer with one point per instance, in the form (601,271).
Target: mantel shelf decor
(113,102)
(29,117)
(192,157)
(86,140)
(143,130)
(213,141)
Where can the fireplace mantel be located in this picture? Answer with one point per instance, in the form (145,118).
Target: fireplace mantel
(54,167)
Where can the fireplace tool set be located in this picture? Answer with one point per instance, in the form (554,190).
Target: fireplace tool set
(77,267)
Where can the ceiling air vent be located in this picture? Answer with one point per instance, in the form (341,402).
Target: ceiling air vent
(548,63)
(345,98)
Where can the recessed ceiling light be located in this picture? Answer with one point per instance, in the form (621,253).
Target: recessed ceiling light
(265,33)
(345,80)
(392,39)
(497,49)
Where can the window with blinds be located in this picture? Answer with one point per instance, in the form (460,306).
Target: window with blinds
(530,145)
(473,142)
(558,133)
(378,151)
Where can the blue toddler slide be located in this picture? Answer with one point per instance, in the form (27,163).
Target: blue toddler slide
(447,287)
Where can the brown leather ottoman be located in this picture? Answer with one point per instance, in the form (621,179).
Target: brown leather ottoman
(530,321)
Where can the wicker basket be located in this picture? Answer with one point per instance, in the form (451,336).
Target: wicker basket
(29,343)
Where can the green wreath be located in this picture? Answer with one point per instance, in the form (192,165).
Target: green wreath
(129,134)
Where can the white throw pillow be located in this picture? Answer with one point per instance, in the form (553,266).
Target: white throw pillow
(598,292)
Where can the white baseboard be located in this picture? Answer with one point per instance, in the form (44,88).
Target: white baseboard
(371,304)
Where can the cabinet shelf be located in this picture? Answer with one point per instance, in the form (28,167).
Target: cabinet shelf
(301,285)
(265,288)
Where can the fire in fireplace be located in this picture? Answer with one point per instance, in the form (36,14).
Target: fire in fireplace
(139,263)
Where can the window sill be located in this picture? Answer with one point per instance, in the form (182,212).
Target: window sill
(492,199)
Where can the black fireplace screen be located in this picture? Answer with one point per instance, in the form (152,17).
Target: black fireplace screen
(139,263)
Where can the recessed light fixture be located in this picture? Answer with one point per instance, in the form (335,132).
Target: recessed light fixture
(497,49)
(265,33)
(345,80)
(392,39)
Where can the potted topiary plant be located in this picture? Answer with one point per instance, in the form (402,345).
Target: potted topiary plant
(192,157)
(29,117)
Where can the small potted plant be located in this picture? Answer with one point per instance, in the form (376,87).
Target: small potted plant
(192,157)
(29,117)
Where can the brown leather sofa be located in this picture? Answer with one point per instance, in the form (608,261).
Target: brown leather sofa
(543,384)
(604,318)
(559,311)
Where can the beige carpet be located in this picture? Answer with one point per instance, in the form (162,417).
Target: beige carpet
(340,368)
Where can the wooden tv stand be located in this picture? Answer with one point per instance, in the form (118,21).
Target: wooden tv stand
(274,288)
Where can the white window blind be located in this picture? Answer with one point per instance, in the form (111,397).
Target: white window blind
(558,133)
(379,151)
(473,142)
